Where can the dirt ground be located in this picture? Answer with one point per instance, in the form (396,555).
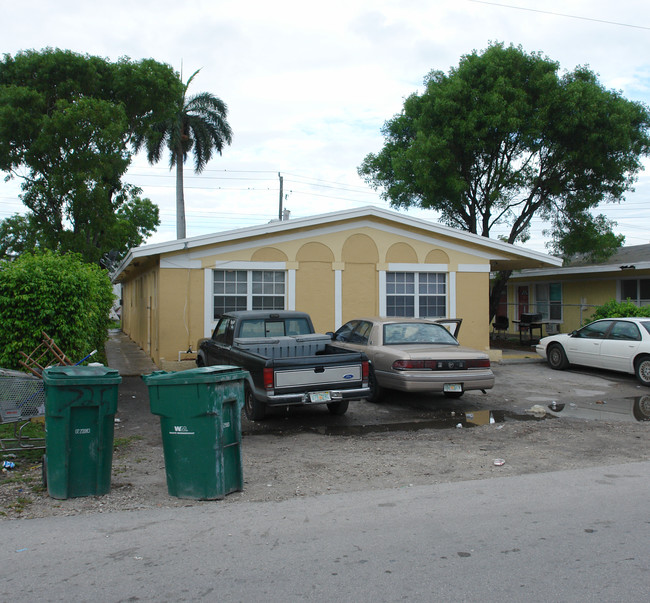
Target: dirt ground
(303,453)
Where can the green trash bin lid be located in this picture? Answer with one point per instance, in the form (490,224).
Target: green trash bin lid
(80,375)
(202,374)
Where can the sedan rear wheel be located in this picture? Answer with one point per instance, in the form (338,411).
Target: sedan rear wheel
(642,369)
(556,357)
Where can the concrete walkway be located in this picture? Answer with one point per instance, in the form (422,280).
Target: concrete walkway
(126,356)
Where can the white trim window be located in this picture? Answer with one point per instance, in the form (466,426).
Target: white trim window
(416,294)
(248,290)
(637,290)
(548,301)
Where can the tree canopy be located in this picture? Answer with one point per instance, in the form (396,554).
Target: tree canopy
(68,124)
(198,125)
(505,137)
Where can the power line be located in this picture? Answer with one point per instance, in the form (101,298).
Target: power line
(548,12)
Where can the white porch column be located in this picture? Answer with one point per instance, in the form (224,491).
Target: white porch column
(291,289)
(382,293)
(452,295)
(338,296)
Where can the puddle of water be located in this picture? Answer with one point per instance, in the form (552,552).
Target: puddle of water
(444,420)
(625,409)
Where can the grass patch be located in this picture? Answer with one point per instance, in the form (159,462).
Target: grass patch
(126,441)
(18,506)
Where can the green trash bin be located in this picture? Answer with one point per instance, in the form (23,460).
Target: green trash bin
(200,422)
(80,406)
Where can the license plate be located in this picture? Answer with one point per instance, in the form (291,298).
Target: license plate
(320,397)
(452,387)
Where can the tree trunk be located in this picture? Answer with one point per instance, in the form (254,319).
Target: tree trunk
(498,286)
(180,198)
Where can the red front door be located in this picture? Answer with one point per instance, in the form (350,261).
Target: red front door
(522,300)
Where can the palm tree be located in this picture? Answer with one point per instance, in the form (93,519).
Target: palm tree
(199,126)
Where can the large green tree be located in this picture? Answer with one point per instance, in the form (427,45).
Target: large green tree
(199,125)
(68,125)
(504,137)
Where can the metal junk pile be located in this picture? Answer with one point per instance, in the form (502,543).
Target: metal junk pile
(22,395)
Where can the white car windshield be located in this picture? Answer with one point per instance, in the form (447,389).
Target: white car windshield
(409,332)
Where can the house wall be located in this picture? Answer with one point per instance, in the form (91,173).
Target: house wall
(315,284)
(334,274)
(140,310)
(581,293)
(472,305)
(181,309)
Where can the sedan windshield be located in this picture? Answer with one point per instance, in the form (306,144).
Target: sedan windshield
(408,332)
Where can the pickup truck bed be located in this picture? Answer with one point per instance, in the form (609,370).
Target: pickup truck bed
(284,347)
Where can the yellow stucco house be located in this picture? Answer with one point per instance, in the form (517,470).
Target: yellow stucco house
(567,296)
(335,266)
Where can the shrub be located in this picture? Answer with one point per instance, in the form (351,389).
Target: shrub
(58,294)
(614,309)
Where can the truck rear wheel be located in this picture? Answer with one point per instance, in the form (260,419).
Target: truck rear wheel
(376,390)
(338,408)
(254,409)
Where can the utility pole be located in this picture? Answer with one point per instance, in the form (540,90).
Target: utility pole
(281,192)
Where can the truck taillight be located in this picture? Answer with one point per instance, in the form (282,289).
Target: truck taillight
(268,379)
(365,370)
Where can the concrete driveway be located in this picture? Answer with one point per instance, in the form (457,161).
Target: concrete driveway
(523,381)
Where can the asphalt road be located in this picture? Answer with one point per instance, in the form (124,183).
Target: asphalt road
(563,536)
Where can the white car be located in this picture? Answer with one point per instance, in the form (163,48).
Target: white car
(615,344)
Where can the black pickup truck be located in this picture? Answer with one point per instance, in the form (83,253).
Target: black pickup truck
(288,363)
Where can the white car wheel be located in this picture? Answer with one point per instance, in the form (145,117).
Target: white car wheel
(556,357)
(642,369)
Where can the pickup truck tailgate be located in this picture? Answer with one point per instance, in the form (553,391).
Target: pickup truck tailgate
(309,376)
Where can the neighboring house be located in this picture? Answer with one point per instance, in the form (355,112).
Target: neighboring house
(566,297)
(335,266)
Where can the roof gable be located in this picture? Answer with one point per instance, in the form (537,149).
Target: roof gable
(501,255)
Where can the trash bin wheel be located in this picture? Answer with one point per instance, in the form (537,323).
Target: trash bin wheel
(254,409)
(338,408)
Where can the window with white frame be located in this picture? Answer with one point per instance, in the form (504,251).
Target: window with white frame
(417,294)
(548,300)
(637,290)
(248,290)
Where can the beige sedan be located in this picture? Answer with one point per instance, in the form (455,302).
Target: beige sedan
(416,355)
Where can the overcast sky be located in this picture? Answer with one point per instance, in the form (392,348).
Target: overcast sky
(309,85)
